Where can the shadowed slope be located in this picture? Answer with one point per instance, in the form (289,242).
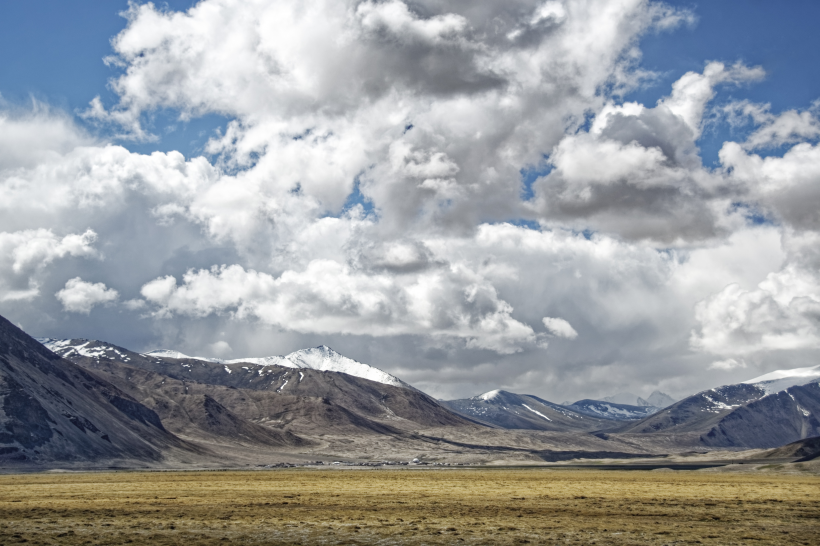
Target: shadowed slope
(54,410)
(741,416)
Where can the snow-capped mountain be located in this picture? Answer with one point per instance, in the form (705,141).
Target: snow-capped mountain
(320,358)
(779,380)
(611,410)
(522,411)
(261,404)
(659,399)
(767,411)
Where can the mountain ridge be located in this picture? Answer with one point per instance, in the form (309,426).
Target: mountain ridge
(288,400)
(523,411)
(321,358)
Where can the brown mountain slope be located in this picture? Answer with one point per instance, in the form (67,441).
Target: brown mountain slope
(301,402)
(54,410)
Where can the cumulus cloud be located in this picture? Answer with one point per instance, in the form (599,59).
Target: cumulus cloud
(330,298)
(25,254)
(431,106)
(783,312)
(366,192)
(787,186)
(80,296)
(637,171)
(559,327)
(31,136)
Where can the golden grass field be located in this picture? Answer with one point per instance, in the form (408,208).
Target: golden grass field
(465,506)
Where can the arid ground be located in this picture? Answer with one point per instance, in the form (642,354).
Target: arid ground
(443,506)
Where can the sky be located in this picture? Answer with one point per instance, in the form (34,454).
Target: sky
(562,198)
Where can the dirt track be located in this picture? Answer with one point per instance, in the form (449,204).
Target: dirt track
(496,506)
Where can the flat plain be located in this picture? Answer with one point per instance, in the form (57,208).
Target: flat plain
(409,506)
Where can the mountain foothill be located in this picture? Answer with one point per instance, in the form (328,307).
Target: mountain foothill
(78,403)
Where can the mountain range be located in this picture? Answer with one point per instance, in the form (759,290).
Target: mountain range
(320,358)
(767,411)
(75,401)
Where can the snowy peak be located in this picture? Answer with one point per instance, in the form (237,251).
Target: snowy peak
(321,358)
(325,359)
(489,395)
(659,399)
(779,380)
(611,410)
(84,347)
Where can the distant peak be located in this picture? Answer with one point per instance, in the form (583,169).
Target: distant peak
(490,395)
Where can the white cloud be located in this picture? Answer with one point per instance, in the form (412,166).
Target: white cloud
(559,327)
(220,348)
(359,191)
(787,186)
(31,136)
(773,130)
(24,255)
(330,298)
(395,18)
(134,305)
(323,93)
(79,296)
(692,92)
(637,171)
(727,365)
(782,313)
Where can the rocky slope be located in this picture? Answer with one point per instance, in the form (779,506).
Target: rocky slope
(54,410)
(744,415)
(522,411)
(288,403)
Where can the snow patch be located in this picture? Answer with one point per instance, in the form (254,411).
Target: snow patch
(536,412)
(779,380)
(489,395)
(163,353)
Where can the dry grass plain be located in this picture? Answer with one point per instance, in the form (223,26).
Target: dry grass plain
(465,506)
